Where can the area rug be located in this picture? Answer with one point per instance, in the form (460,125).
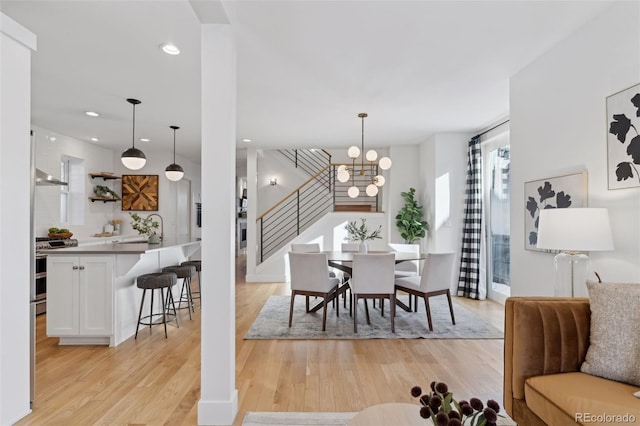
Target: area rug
(272,322)
(315,419)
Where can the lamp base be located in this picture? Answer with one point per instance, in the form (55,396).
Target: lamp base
(571,274)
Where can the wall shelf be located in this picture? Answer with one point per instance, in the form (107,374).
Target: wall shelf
(104,176)
(103,199)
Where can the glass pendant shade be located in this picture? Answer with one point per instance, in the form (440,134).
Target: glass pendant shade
(342,167)
(343,175)
(353,152)
(372,155)
(385,163)
(174,172)
(379,180)
(372,190)
(133,158)
(353,192)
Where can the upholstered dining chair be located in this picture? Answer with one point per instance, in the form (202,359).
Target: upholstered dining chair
(306,248)
(434,281)
(315,248)
(309,277)
(409,268)
(372,278)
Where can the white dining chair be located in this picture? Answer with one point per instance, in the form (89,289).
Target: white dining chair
(372,278)
(434,281)
(408,268)
(315,248)
(309,277)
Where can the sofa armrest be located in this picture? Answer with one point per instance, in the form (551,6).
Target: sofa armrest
(542,335)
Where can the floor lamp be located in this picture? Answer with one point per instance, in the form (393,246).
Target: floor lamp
(573,231)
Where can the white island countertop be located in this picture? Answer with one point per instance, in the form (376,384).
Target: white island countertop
(126,247)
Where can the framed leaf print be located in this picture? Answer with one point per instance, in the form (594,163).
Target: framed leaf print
(623,138)
(140,192)
(552,193)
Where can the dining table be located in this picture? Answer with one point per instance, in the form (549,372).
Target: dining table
(341,260)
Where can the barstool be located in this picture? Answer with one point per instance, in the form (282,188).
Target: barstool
(157,281)
(198,265)
(184,272)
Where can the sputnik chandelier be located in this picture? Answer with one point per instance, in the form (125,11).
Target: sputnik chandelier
(344,173)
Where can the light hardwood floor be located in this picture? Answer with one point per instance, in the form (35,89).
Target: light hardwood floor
(156,381)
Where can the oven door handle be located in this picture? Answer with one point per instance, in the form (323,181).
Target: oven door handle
(38,301)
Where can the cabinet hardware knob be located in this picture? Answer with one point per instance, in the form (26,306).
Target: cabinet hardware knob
(82,267)
(75,267)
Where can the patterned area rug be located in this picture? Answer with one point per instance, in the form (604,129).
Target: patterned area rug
(272,322)
(315,419)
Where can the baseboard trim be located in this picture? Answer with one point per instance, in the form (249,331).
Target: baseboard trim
(218,412)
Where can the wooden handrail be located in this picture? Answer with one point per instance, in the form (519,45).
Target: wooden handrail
(293,192)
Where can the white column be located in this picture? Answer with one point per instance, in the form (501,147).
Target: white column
(16,45)
(252,203)
(218,397)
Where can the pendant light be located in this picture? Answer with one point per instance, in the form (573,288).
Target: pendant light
(174,171)
(133,158)
(344,173)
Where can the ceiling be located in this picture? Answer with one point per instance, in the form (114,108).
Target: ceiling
(305,69)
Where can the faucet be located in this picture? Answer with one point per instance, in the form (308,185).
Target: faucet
(161,225)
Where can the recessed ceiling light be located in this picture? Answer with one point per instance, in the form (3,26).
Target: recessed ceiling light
(144,139)
(246,140)
(52,138)
(92,114)
(94,139)
(170,49)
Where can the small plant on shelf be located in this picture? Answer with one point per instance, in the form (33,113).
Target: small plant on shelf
(105,192)
(144,226)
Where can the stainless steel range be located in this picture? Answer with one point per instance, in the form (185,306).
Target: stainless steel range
(39,287)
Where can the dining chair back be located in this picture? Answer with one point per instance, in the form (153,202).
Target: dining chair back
(408,268)
(305,248)
(373,278)
(350,247)
(437,272)
(309,277)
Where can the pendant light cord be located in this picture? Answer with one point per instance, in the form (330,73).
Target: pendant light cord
(133,136)
(362,145)
(174,146)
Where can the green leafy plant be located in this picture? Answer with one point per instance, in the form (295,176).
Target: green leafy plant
(105,191)
(409,219)
(144,226)
(439,406)
(361,233)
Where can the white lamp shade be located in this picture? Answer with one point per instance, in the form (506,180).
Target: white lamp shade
(372,190)
(575,229)
(385,163)
(342,167)
(379,180)
(343,176)
(133,163)
(353,152)
(372,155)
(173,175)
(353,192)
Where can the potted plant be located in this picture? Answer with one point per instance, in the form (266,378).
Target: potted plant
(105,192)
(409,219)
(146,226)
(361,233)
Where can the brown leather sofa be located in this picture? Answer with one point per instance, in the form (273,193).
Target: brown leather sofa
(545,342)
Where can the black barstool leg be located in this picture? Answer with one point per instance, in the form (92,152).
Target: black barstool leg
(144,291)
(164,312)
(175,312)
(184,283)
(192,304)
(151,312)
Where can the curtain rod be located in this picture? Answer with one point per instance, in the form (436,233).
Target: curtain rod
(494,127)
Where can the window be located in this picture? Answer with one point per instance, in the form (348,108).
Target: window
(64,191)
(72,196)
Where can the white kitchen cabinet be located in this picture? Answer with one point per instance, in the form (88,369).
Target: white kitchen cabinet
(80,298)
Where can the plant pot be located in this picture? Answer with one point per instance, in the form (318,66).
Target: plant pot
(154,239)
(363,248)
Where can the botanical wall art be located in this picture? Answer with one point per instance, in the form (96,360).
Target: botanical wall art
(623,139)
(553,193)
(140,192)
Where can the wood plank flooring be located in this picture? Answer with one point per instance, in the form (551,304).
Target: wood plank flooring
(156,381)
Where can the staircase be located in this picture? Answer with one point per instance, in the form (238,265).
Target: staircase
(320,194)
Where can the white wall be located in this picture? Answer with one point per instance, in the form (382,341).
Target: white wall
(16,45)
(272,163)
(443,169)
(99,159)
(558,126)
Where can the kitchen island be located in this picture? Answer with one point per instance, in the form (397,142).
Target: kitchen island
(92,298)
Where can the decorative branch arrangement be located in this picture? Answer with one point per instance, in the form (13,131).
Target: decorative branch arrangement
(361,233)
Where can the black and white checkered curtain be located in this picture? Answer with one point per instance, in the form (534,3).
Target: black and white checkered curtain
(469,281)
